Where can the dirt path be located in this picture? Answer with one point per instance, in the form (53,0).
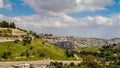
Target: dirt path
(76,57)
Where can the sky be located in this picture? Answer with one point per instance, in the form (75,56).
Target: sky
(81,18)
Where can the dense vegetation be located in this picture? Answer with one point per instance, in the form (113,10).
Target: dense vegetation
(107,56)
(6,24)
(104,56)
(88,62)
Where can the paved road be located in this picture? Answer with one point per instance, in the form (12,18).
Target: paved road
(7,64)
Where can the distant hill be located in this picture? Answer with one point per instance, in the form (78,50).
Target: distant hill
(76,42)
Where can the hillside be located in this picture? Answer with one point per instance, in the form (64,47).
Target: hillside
(37,50)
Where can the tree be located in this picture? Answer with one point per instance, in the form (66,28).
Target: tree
(27,54)
(31,66)
(42,54)
(72,64)
(27,40)
(6,55)
(114,44)
(23,54)
(16,40)
(69,53)
(4,24)
(12,25)
(57,64)
(90,62)
(43,42)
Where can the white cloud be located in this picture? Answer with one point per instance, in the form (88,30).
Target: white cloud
(61,23)
(98,20)
(59,7)
(64,21)
(41,21)
(67,18)
(1,3)
(96,26)
(6,4)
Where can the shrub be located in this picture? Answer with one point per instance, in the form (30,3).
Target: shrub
(6,55)
(42,54)
(16,40)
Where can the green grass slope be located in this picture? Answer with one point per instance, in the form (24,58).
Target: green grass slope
(37,50)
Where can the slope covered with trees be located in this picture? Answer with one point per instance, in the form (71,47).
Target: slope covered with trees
(107,56)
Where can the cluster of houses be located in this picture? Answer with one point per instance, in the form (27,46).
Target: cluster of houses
(76,42)
(61,42)
(72,42)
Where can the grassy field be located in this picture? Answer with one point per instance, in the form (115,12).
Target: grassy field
(37,50)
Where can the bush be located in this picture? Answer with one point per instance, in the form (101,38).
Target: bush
(27,40)
(16,40)
(23,54)
(31,48)
(43,43)
(6,55)
(31,66)
(72,64)
(42,54)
